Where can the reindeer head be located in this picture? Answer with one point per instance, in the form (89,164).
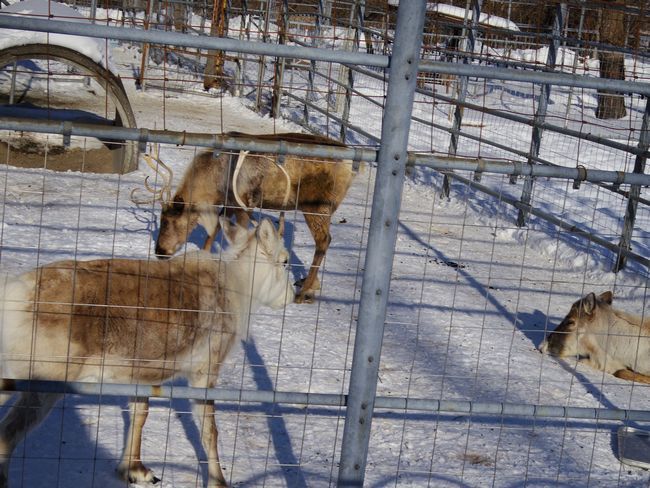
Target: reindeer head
(565,339)
(177,220)
(178,216)
(261,258)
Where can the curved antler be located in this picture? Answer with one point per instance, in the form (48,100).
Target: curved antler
(164,193)
(235,178)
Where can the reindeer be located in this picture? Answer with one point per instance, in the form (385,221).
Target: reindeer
(606,338)
(135,321)
(241,182)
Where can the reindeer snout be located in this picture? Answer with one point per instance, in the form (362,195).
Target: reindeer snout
(543,347)
(162,253)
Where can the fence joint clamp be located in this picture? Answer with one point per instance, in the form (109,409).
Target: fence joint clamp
(282,152)
(620,178)
(479,170)
(67,132)
(142,140)
(582,176)
(356,160)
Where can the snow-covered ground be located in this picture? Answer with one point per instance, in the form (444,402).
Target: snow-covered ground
(471,297)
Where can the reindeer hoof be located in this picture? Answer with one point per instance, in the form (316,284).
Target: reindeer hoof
(138,474)
(305,297)
(315,286)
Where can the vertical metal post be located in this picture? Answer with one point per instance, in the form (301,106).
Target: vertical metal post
(463,81)
(635,190)
(262,59)
(312,64)
(12,90)
(93,11)
(356,19)
(575,64)
(327,11)
(382,235)
(240,66)
(93,17)
(540,114)
(282,21)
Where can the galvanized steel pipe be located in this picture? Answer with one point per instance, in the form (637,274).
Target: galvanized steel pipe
(237,143)
(458,407)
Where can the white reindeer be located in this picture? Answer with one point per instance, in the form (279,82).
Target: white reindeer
(136,321)
(604,338)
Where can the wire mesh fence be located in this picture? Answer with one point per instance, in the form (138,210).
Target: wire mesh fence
(463,395)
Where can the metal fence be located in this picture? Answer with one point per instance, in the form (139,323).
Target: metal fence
(449,282)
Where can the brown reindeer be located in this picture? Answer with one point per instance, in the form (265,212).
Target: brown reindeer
(605,338)
(131,321)
(241,182)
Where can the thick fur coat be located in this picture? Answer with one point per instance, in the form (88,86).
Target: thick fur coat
(136,321)
(604,337)
(314,186)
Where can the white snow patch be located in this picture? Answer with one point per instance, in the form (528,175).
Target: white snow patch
(462,13)
(93,48)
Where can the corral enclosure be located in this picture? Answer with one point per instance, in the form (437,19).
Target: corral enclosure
(486,259)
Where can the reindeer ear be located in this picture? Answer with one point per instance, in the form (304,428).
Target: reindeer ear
(589,303)
(281,225)
(266,235)
(607,297)
(232,232)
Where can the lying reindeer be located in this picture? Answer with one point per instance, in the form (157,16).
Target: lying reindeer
(316,186)
(131,321)
(608,339)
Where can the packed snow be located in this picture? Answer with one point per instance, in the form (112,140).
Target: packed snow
(461,13)
(471,298)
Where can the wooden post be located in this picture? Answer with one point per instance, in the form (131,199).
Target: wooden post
(214,73)
(145,48)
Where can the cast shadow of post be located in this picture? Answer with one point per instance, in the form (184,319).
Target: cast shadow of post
(284,453)
(60,450)
(287,459)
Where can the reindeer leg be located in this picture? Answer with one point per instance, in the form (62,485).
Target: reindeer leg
(203,411)
(6,391)
(209,219)
(131,468)
(207,245)
(243,217)
(319,225)
(630,375)
(29,410)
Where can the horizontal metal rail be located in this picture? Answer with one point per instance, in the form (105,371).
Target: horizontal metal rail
(238,143)
(515,168)
(154,36)
(570,228)
(281,50)
(540,77)
(457,407)
(182,138)
(497,113)
(636,150)
(529,121)
(333,117)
